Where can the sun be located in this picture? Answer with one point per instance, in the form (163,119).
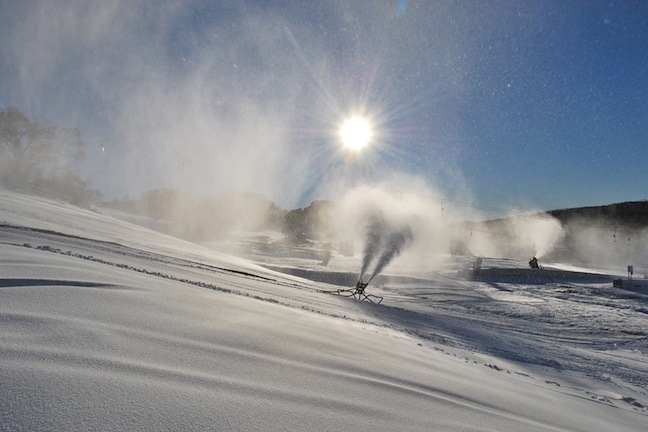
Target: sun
(356,133)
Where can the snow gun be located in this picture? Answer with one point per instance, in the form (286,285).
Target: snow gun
(358,293)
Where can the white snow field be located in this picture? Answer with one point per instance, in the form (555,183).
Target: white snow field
(108,326)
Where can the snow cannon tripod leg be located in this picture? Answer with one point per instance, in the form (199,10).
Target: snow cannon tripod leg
(359,293)
(372,298)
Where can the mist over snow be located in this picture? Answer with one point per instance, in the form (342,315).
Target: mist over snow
(594,242)
(205,98)
(426,227)
(430,227)
(109,326)
(386,222)
(516,236)
(162,104)
(542,233)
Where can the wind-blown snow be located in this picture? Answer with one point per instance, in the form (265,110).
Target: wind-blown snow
(108,326)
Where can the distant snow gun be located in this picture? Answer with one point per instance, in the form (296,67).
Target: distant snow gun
(358,293)
(533,263)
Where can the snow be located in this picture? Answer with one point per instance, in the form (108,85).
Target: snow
(105,325)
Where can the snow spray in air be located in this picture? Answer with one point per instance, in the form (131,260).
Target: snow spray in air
(383,240)
(394,245)
(373,240)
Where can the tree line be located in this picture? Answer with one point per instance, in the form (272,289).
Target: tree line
(40,158)
(208,218)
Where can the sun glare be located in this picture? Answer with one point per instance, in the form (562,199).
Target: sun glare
(356,133)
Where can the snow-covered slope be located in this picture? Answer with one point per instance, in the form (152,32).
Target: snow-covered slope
(108,326)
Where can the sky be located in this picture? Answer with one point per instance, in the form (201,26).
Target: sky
(500,104)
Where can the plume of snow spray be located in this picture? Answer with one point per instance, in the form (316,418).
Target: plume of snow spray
(394,245)
(373,240)
(384,240)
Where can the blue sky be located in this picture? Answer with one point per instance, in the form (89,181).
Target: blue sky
(506,104)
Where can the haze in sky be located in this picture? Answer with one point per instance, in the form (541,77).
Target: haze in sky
(509,104)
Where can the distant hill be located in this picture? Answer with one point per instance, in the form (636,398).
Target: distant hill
(627,214)
(313,222)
